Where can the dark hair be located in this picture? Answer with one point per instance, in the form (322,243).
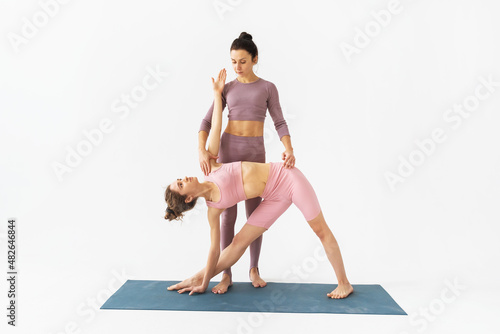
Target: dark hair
(245,42)
(176,204)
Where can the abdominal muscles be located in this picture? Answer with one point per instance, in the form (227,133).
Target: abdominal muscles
(245,128)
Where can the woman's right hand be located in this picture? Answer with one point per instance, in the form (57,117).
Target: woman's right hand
(218,85)
(204,157)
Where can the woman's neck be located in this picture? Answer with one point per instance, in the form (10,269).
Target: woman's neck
(248,79)
(208,190)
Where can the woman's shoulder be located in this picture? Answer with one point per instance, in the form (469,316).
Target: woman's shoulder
(217,166)
(268,84)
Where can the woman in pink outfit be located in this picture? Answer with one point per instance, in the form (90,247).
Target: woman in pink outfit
(230,183)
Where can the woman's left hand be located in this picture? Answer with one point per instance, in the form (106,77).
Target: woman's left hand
(193,289)
(289,159)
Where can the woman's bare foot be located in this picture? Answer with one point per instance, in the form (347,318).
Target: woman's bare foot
(195,280)
(257,282)
(342,291)
(224,284)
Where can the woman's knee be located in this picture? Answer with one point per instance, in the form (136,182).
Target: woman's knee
(320,227)
(240,241)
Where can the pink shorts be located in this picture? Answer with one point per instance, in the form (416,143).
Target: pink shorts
(284,186)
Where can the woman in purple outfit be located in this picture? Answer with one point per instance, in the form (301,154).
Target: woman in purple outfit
(247,98)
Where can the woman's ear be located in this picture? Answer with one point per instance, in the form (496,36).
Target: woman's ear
(256,59)
(189,199)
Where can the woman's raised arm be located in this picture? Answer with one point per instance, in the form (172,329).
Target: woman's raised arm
(214,138)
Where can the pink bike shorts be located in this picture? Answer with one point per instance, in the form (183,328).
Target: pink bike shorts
(284,186)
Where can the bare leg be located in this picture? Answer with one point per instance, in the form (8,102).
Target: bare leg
(332,251)
(229,256)
(232,253)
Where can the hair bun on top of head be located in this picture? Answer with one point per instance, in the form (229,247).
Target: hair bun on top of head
(244,35)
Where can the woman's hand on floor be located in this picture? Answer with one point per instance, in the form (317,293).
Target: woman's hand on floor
(194,289)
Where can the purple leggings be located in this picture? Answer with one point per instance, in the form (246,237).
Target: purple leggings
(238,148)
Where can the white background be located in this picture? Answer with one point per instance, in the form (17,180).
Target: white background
(350,122)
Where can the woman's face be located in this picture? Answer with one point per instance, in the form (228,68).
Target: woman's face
(242,62)
(186,186)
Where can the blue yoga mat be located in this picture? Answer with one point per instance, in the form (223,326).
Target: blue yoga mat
(243,297)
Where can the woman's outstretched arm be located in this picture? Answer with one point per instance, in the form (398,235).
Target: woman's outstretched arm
(214,139)
(214,252)
(199,282)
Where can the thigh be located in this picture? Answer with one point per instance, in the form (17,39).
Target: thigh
(268,211)
(304,196)
(248,234)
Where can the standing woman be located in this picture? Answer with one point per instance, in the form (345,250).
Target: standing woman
(247,98)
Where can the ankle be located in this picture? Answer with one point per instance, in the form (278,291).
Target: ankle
(254,271)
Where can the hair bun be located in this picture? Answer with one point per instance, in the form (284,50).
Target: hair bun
(244,35)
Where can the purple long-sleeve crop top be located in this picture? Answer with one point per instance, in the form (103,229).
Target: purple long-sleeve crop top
(249,102)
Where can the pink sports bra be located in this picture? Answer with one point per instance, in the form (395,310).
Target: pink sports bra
(228,179)
(249,102)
